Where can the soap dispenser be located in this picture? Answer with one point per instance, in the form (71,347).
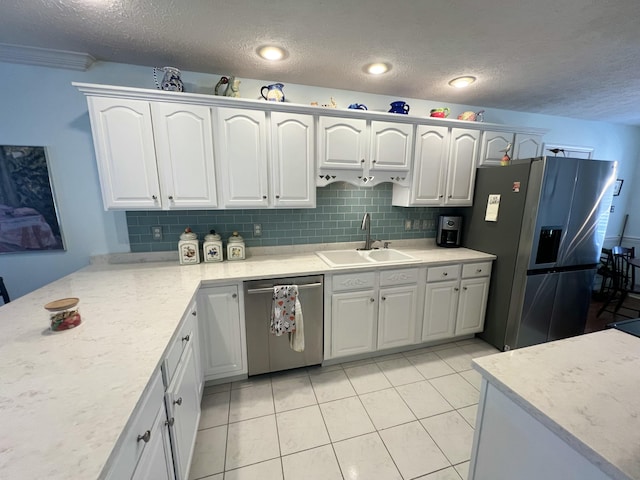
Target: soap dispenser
(212,247)
(188,248)
(235,247)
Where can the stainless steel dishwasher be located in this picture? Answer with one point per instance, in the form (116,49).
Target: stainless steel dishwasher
(269,353)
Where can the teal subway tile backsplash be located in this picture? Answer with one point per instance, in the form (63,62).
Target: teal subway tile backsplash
(337,218)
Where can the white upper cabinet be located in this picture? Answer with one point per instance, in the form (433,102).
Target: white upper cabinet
(184,150)
(242,152)
(153,155)
(293,160)
(125,152)
(493,148)
(527,145)
(361,151)
(444,169)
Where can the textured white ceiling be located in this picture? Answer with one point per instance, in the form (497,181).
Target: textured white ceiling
(575,58)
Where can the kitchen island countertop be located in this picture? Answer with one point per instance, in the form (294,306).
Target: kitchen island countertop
(65,397)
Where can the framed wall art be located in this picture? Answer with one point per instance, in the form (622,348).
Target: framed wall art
(28,216)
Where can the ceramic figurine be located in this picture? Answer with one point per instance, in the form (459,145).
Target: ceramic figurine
(399,107)
(332,103)
(222,81)
(357,106)
(233,89)
(171,80)
(506,159)
(188,248)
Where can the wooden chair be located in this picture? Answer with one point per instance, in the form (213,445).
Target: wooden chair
(3,291)
(605,270)
(623,281)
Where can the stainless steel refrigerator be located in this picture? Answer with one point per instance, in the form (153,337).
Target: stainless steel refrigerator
(546,229)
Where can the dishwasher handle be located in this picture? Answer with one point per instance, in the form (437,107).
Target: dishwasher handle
(270,289)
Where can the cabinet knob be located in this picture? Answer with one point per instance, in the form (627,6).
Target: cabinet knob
(373,161)
(234,295)
(444,274)
(277,196)
(479,270)
(450,196)
(146,437)
(456,288)
(170,197)
(194,313)
(372,299)
(170,422)
(384,298)
(440,196)
(464,288)
(362,161)
(186,338)
(178,401)
(264,197)
(154,197)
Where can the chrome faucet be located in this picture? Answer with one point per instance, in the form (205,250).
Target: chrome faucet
(366,225)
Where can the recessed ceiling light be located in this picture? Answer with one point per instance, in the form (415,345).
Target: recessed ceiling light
(269,52)
(377,68)
(462,82)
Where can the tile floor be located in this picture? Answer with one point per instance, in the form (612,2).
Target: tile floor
(402,416)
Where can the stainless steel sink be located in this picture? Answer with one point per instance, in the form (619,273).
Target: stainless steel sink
(350,258)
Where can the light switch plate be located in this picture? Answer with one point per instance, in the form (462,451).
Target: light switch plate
(407,224)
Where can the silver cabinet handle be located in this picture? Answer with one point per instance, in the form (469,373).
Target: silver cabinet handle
(170,422)
(186,338)
(270,289)
(146,437)
(178,401)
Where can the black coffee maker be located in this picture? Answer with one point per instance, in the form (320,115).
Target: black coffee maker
(449,231)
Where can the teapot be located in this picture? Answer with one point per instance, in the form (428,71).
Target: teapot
(357,106)
(399,107)
(171,80)
(274,92)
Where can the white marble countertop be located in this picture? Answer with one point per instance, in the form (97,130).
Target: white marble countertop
(65,397)
(585,389)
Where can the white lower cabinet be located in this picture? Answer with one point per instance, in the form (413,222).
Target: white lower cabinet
(440,301)
(472,305)
(223,340)
(156,462)
(353,316)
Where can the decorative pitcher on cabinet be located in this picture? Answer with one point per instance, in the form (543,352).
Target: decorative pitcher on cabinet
(171,80)
(274,92)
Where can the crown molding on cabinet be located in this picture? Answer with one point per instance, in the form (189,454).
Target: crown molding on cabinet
(45,57)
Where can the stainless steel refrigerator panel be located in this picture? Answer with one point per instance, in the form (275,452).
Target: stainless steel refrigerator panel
(589,213)
(532,326)
(571,305)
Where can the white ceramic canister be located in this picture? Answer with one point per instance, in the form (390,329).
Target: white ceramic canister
(212,247)
(235,247)
(188,248)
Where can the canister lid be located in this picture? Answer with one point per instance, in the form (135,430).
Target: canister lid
(188,234)
(62,304)
(211,236)
(235,238)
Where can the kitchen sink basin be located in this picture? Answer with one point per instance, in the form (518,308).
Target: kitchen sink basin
(350,258)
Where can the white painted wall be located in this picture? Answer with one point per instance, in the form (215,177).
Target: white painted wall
(40,107)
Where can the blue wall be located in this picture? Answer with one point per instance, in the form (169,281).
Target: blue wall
(41,107)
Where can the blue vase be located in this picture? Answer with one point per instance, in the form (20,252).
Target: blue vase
(399,107)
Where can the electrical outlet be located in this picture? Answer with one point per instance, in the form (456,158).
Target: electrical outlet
(416,224)
(407,224)
(257,230)
(425,224)
(156,233)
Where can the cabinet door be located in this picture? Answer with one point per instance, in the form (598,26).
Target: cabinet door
(343,143)
(461,174)
(397,316)
(391,146)
(293,160)
(440,305)
(472,306)
(432,151)
(353,323)
(223,339)
(125,152)
(527,146)
(156,462)
(184,149)
(242,156)
(493,146)
(183,406)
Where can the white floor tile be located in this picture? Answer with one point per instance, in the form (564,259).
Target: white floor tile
(293,393)
(473,377)
(399,371)
(289,374)
(346,418)
(320,369)
(469,414)
(332,386)
(367,378)
(315,464)
(219,476)
(446,474)
(456,390)
(301,429)
(223,387)
(386,408)
(252,381)
(463,469)
(456,358)
(365,457)
(209,452)
(215,410)
(252,441)
(413,450)
(453,435)
(250,402)
(423,399)
(269,470)
(477,350)
(391,356)
(357,363)
(430,365)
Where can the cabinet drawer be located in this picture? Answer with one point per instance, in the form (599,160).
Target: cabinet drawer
(398,277)
(446,272)
(185,334)
(471,270)
(353,281)
(131,448)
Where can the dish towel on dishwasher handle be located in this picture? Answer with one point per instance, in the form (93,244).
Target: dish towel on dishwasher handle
(296,338)
(286,315)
